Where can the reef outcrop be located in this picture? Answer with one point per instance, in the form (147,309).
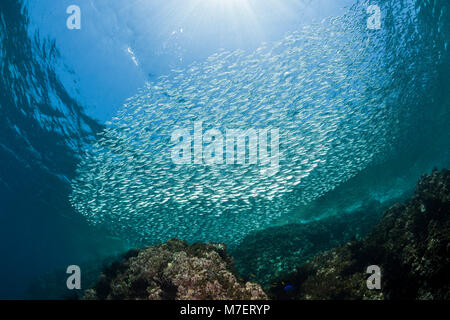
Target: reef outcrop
(411,245)
(175,270)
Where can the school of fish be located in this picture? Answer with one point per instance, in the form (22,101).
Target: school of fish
(335,90)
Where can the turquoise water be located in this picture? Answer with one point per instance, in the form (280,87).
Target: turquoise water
(348,116)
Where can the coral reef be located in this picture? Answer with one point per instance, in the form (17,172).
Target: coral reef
(175,270)
(411,244)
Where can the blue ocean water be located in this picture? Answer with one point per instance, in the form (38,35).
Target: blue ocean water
(88,117)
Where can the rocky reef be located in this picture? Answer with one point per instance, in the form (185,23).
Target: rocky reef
(259,258)
(410,242)
(411,245)
(175,270)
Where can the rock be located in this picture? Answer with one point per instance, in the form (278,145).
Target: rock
(259,258)
(411,244)
(175,270)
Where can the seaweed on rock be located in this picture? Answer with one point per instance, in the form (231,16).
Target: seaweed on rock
(175,270)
